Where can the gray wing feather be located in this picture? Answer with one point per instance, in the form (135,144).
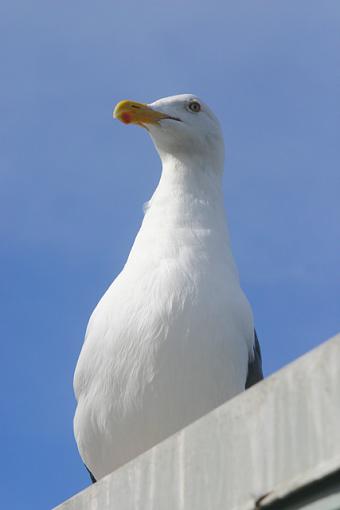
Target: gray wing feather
(93,480)
(255,373)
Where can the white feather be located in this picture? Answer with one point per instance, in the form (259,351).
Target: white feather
(171,338)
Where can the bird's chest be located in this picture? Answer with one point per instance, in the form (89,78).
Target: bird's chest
(181,324)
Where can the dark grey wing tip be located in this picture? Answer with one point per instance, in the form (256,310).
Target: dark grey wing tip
(93,480)
(255,373)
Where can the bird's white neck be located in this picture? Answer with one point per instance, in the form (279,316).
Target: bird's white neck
(189,193)
(185,211)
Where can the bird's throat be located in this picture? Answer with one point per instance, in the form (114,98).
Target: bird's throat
(189,195)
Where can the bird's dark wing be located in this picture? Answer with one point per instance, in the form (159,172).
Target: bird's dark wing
(255,373)
(93,480)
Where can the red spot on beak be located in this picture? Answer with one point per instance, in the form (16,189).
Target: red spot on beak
(126,118)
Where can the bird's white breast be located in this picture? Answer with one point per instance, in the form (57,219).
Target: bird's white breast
(168,342)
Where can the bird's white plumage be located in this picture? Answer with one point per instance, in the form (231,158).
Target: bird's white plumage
(171,338)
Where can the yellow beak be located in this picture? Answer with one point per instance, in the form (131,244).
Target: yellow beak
(131,112)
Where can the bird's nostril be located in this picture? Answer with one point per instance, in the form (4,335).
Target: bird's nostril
(135,106)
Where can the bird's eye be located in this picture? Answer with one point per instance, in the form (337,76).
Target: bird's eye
(194,106)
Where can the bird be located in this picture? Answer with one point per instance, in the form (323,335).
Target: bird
(173,337)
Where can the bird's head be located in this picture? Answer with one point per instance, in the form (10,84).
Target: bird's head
(181,126)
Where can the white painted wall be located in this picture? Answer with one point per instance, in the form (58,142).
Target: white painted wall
(281,434)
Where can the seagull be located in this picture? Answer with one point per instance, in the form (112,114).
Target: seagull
(173,336)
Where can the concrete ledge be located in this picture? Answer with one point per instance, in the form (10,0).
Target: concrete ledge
(282,433)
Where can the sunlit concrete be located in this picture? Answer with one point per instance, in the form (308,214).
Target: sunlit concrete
(281,434)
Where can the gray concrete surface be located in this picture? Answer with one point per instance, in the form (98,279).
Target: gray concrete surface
(280,434)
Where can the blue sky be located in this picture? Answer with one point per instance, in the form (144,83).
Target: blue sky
(72,185)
